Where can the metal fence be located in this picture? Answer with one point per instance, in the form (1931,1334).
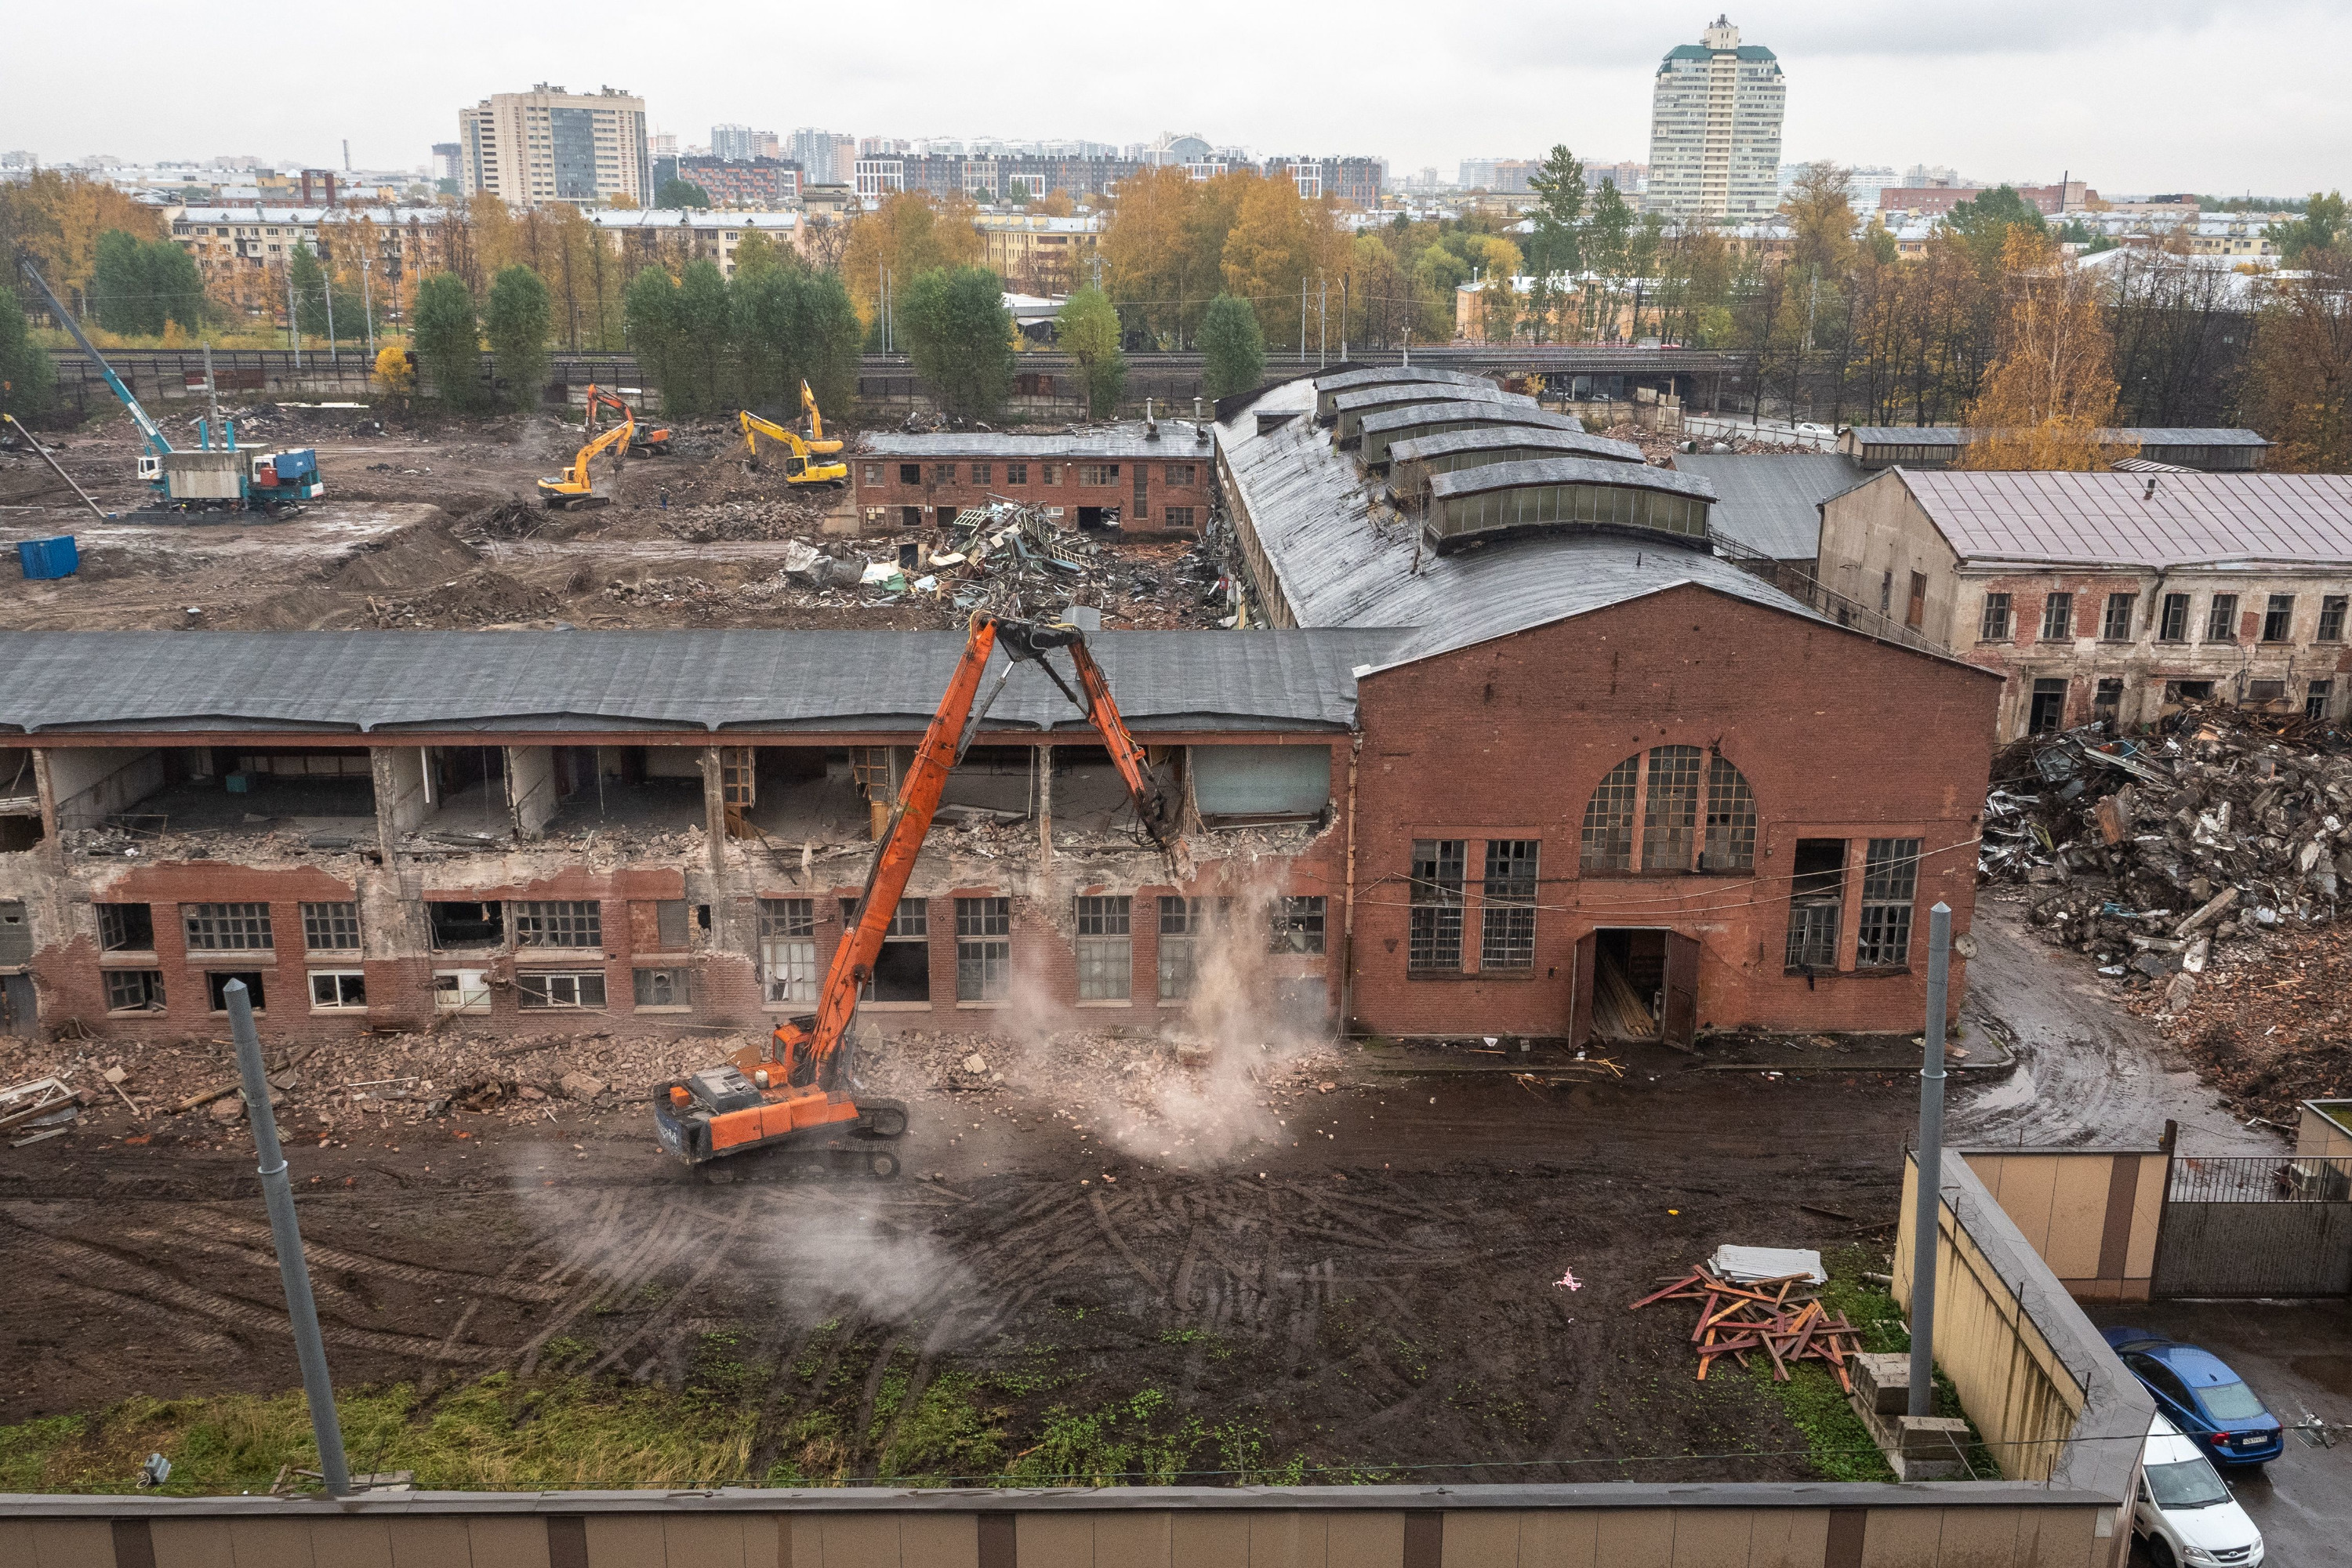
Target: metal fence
(2261,1179)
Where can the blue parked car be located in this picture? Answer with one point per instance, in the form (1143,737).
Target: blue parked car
(2197,1392)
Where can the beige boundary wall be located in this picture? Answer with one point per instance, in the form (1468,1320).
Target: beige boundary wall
(2321,1129)
(2090,1215)
(1938,1525)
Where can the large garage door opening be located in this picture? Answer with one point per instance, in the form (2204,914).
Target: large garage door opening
(1636,982)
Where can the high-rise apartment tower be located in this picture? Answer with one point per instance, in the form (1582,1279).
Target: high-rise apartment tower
(549,145)
(1715,128)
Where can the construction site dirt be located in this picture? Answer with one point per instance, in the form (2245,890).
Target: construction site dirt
(437,524)
(1373,1274)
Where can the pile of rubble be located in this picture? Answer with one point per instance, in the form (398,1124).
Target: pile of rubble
(2270,1025)
(2144,851)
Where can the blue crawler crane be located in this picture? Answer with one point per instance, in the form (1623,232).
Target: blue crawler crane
(211,477)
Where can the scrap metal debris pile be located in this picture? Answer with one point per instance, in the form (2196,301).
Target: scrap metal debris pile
(2144,851)
(1780,1320)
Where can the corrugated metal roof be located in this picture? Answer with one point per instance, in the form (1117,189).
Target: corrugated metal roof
(2142,520)
(1393,375)
(1389,419)
(1342,559)
(1349,402)
(665,680)
(1177,442)
(1567,471)
(1771,501)
(1447,443)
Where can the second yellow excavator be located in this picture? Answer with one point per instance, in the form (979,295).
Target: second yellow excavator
(801,467)
(816,437)
(576,485)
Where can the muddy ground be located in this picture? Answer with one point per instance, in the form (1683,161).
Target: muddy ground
(1369,1277)
(435,523)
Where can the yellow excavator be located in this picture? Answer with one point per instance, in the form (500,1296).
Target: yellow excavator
(801,467)
(575,486)
(817,441)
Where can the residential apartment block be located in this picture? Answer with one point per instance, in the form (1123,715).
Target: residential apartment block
(1035,254)
(759,182)
(549,145)
(2115,595)
(1715,128)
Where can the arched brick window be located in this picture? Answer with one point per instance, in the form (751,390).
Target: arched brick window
(1670,808)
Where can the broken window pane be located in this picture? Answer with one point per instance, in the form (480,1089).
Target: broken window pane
(2174,626)
(2314,700)
(1433,941)
(1507,935)
(461,990)
(216,988)
(1179,920)
(1994,627)
(1730,820)
(2048,713)
(2278,621)
(2117,627)
(559,922)
(126,927)
(1816,904)
(664,987)
(1890,881)
(134,990)
(227,927)
(336,988)
(1608,840)
(1016,473)
(466,925)
(983,949)
(2058,617)
(2222,619)
(1298,924)
(1105,951)
(326,927)
(2107,701)
(787,950)
(1669,814)
(2331,618)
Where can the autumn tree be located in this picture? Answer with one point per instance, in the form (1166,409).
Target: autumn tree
(313,282)
(1983,223)
(677,192)
(1266,253)
(908,235)
(1233,348)
(2299,377)
(1087,331)
(1820,210)
(27,380)
(448,345)
(961,337)
(2321,227)
(2052,387)
(516,321)
(55,220)
(1161,259)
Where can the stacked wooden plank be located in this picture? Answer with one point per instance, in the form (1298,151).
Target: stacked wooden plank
(1782,1320)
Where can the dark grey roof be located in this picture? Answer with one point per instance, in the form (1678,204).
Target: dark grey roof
(1389,419)
(669,680)
(1568,471)
(1341,558)
(2147,435)
(2140,519)
(1175,441)
(1468,390)
(1771,502)
(1384,374)
(1451,443)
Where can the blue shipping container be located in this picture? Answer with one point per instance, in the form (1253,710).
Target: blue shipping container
(44,558)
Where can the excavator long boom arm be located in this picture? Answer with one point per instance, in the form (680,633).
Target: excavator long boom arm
(149,431)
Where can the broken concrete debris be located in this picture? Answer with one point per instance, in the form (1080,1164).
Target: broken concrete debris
(2143,851)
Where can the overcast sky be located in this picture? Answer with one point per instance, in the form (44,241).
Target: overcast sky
(2134,96)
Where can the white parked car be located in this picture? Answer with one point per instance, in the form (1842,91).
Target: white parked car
(1809,428)
(2185,1512)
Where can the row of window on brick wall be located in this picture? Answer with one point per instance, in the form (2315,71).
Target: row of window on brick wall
(332,927)
(1104,935)
(454,991)
(1508,900)
(1021,473)
(2175,617)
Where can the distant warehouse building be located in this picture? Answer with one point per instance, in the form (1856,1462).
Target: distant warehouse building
(2216,450)
(2112,596)
(1133,475)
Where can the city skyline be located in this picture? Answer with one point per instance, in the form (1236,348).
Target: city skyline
(2017,92)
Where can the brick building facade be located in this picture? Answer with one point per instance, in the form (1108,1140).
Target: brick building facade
(1157,479)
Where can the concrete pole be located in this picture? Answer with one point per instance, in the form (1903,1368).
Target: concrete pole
(1925,1230)
(293,321)
(292,1270)
(367,303)
(326,287)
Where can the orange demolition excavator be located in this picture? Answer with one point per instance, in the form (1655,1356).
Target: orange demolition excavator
(646,440)
(796,1090)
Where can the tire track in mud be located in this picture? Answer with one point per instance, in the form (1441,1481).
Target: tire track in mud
(244,1231)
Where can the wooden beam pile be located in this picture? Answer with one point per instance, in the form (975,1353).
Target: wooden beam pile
(1738,1320)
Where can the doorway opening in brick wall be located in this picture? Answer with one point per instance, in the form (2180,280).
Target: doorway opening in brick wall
(1636,983)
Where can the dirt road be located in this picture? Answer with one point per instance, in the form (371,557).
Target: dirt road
(1377,1283)
(2089,1073)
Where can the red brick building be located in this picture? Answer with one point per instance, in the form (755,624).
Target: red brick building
(1156,477)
